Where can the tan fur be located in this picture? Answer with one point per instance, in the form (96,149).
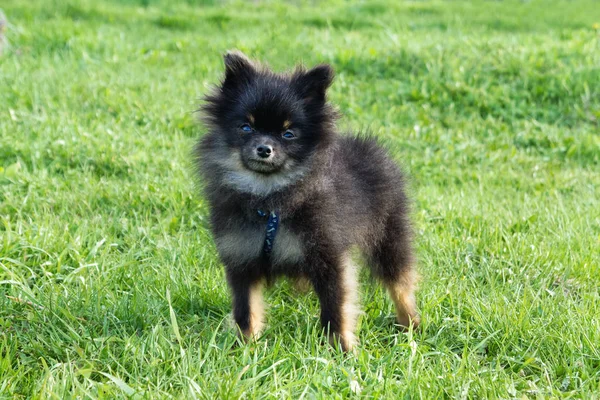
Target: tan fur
(286,124)
(350,306)
(402,292)
(251,118)
(257,311)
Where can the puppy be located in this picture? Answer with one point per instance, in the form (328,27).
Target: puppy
(289,196)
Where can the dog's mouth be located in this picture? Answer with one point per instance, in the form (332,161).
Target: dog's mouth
(262,166)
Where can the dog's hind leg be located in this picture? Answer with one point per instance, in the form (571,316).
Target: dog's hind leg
(402,292)
(393,262)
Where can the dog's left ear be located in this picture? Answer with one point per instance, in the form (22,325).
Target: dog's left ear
(313,84)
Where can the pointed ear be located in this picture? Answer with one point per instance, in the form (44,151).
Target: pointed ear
(313,84)
(238,68)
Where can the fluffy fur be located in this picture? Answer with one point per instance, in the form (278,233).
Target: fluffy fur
(272,145)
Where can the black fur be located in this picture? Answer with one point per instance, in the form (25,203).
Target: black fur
(332,192)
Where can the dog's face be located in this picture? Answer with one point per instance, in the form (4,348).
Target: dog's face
(267,126)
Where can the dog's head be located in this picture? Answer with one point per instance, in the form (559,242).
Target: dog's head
(266,127)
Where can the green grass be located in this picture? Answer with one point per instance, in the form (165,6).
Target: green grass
(110,285)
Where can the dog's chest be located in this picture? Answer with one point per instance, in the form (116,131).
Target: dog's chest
(247,244)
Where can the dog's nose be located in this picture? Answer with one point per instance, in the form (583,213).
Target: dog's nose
(264,150)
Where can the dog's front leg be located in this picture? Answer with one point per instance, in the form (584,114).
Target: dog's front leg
(248,306)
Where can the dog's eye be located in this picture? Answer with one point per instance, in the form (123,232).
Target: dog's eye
(246,128)
(288,134)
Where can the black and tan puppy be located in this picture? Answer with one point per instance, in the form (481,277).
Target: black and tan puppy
(289,196)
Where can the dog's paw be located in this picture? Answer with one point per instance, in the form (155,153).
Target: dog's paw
(405,322)
(346,340)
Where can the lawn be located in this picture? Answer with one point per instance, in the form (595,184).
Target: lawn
(110,285)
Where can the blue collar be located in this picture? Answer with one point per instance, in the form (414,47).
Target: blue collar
(272,225)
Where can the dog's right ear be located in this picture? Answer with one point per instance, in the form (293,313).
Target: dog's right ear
(238,68)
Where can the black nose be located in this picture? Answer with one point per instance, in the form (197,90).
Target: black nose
(264,150)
